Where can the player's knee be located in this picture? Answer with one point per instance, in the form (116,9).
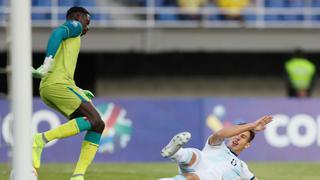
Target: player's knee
(101,125)
(196,153)
(98,125)
(191,176)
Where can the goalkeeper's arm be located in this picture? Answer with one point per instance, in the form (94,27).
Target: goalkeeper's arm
(67,30)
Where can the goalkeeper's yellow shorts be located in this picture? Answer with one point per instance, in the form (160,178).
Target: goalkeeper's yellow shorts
(66,98)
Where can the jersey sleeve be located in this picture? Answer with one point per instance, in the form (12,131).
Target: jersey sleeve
(67,30)
(74,28)
(218,143)
(213,147)
(246,173)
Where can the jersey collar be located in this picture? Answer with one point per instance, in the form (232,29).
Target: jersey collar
(232,152)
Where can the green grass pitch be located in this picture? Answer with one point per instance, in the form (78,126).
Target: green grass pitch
(153,171)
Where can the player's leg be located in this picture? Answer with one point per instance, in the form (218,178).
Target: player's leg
(174,150)
(175,144)
(91,141)
(66,100)
(177,177)
(187,158)
(68,129)
(186,176)
(188,161)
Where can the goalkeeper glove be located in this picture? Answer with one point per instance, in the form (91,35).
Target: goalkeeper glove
(43,69)
(88,93)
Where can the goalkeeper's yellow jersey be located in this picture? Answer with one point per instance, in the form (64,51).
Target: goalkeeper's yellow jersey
(65,58)
(64,64)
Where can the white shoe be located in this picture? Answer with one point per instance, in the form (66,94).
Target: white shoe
(175,144)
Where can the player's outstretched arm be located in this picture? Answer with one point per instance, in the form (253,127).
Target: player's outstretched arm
(258,125)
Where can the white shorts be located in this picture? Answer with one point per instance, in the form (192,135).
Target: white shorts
(202,168)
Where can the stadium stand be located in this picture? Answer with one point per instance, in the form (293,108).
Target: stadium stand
(295,4)
(166,16)
(42,4)
(89,5)
(316,4)
(139,13)
(43,8)
(2,13)
(273,4)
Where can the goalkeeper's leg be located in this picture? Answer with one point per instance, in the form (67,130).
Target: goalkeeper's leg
(70,128)
(91,141)
(73,103)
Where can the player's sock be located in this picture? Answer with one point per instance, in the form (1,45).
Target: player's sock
(182,156)
(70,128)
(88,151)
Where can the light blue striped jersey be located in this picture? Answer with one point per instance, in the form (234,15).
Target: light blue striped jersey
(225,162)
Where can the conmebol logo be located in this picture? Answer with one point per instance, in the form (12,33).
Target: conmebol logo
(214,119)
(118,129)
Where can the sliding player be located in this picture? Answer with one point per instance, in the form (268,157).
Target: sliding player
(216,160)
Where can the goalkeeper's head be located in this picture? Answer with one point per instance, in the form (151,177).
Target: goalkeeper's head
(79,14)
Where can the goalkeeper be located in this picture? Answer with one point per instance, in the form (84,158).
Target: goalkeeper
(59,91)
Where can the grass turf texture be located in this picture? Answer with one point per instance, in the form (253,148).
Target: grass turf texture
(153,171)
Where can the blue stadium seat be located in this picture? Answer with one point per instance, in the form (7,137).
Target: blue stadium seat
(43,3)
(215,16)
(316,4)
(92,3)
(136,2)
(166,17)
(41,16)
(159,3)
(86,3)
(250,17)
(2,15)
(294,4)
(274,4)
(144,2)
(65,3)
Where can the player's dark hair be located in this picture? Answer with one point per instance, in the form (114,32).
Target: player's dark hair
(252,133)
(76,9)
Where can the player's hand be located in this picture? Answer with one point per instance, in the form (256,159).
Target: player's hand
(88,93)
(260,124)
(43,69)
(36,73)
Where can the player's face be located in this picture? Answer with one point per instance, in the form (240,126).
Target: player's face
(240,142)
(85,21)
